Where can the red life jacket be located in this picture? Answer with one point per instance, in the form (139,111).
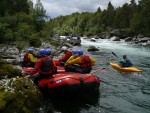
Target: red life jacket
(46,66)
(26,58)
(86,61)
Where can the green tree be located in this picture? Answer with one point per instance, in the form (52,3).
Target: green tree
(109,15)
(40,15)
(122,17)
(98,10)
(141,18)
(39,11)
(10,7)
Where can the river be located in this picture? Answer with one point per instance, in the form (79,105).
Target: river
(119,92)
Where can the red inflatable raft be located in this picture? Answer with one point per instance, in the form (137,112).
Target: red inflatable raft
(68,82)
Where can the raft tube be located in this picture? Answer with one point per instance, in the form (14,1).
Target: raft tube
(70,83)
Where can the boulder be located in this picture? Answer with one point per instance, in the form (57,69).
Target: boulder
(93,39)
(74,42)
(128,39)
(145,39)
(12,50)
(8,70)
(115,38)
(92,48)
(19,95)
(96,37)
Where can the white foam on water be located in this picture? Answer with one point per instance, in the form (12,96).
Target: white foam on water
(118,47)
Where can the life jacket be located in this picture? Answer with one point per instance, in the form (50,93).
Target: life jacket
(86,61)
(26,58)
(46,65)
(127,63)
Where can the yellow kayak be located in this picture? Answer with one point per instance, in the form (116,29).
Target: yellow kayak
(125,69)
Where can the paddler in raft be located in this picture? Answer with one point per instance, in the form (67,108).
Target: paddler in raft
(29,60)
(45,66)
(82,63)
(72,67)
(67,55)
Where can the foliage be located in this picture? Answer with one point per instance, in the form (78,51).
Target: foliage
(20,23)
(35,40)
(10,7)
(141,18)
(7,70)
(21,44)
(26,22)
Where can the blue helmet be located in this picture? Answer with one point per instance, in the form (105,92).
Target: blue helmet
(80,52)
(42,51)
(75,52)
(30,50)
(48,52)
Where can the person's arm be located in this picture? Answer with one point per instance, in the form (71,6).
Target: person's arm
(92,61)
(54,68)
(129,62)
(37,67)
(32,59)
(121,61)
(71,58)
(75,61)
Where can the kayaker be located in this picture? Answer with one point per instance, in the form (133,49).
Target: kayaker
(125,62)
(45,66)
(71,67)
(83,63)
(29,60)
(66,56)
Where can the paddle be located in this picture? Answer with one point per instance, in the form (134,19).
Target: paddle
(95,70)
(115,55)
(98,70)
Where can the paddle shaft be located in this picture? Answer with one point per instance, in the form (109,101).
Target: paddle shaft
(115,55)
(98,70)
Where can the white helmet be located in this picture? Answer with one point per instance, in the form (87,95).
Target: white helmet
(64,48)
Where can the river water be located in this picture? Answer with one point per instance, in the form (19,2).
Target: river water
(119,92)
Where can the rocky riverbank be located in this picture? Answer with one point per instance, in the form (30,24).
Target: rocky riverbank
(125,34)
(17,94)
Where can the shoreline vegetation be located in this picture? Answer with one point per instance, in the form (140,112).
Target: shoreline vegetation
(26,25)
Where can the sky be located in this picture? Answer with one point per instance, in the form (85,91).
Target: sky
(55,8)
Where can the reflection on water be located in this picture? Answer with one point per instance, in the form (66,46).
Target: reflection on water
(119,92)
(71,104)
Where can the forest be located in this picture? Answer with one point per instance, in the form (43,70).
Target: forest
(21,20)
